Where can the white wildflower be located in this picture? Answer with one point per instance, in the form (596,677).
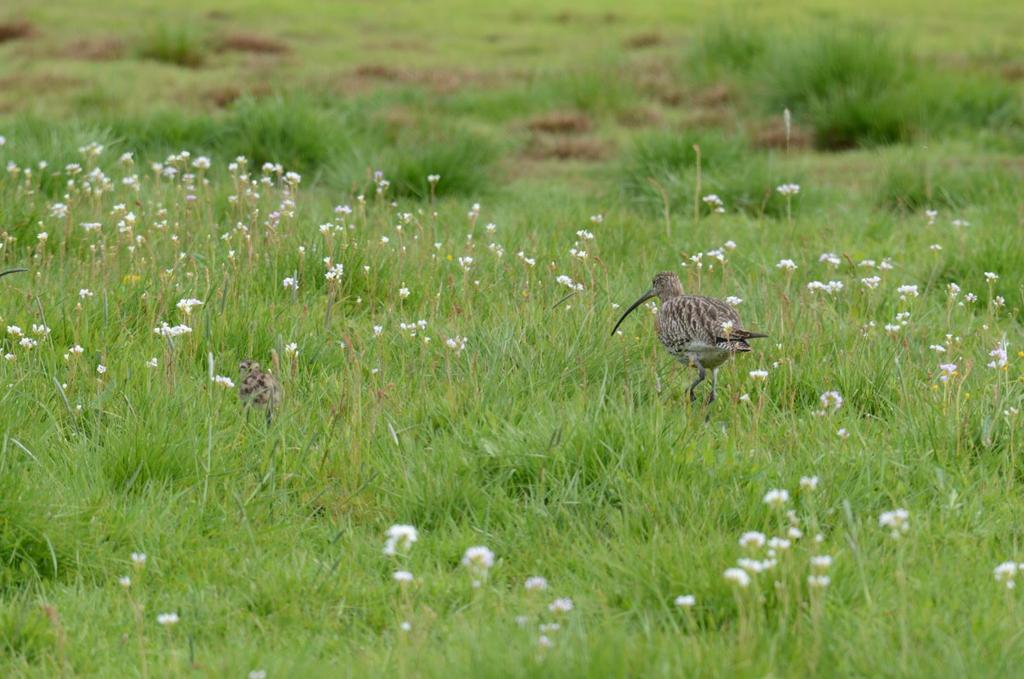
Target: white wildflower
(897,521)
(1006,572)
(535,583)
(776,498)
(999,357)
(752,540)
(831,399)
(569,283)
(737,576)
(186,305)
(400,537)
(818,581)
(686,601)
(905,291)
(167,619)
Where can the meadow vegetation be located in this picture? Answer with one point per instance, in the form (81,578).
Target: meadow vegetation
(428,241)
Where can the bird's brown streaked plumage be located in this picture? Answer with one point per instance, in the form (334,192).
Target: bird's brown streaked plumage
(258,388)
(702,331)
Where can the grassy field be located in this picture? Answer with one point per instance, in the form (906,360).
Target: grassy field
(189,188)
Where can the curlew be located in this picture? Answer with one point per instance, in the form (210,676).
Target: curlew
(259,388)
(699,331)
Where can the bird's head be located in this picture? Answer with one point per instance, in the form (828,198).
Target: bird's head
(248,366)
(665,285)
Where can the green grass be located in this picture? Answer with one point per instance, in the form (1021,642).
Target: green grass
(175,45)
(543,439)
(573,455)
(665,166)
(855,87)
(919,181)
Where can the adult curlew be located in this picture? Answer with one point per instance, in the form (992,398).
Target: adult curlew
(702,331)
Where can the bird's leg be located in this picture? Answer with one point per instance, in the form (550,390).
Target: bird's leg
(714,386)
(701,374)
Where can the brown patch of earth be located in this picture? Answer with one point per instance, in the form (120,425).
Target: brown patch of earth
(639,117)
(716,95)
(39,82)
(568,17)
(560,123)
(377,72)
(16,30)
(1012,72)
(440,80)
(222,97)
(643,41)
(771,134)
(106,49)
(253,44)
(567,148)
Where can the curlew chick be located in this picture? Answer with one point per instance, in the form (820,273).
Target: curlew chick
(258,388)
(700,331)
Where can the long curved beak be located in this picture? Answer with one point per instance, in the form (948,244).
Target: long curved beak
(4,273)
(646,296)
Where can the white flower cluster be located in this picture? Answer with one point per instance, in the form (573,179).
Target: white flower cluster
(186,305)
(400,538)
(715,203)
(165,330)
(456,344)
(1006,573)
(570,283)
(897,521)
(999,357)
(335,272)
(831,287)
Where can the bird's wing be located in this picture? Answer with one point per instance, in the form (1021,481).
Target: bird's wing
(712,314)
(694,318)
(711,311)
